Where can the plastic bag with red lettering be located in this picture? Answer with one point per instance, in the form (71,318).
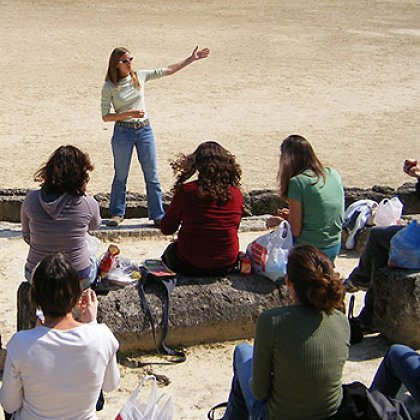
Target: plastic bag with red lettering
(269,252)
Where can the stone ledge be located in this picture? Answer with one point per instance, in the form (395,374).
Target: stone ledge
(256,202)
(134,228)
(201,310)
(397,304)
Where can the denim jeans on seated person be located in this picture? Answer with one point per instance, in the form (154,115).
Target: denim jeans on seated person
(375,254)
(88,275)
(332,252)
(241,403)
(400,365)
(123,142)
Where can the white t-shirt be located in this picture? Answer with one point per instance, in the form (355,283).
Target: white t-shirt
(58,374)
(126,96)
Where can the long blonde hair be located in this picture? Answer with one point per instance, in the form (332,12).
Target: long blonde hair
(113,74)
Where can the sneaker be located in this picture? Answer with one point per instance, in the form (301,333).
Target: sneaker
(157,223)
(351,287)
(115,220)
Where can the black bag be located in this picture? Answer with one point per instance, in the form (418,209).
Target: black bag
(356,332)
(380,407)
(360,403)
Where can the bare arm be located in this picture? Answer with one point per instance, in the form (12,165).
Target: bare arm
(132,113)
(295,217)
(195,55)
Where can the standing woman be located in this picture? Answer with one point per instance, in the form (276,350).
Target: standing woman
(124,91)
(314,194)
(208,210)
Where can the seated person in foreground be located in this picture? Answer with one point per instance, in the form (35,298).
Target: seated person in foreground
(58,216)
(400,365)
(58,369)
(208,210)
(375,254)
(294,370)
(315,196)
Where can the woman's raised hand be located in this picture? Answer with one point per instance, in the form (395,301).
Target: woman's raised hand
(199,54)
(88,306)
(412,167)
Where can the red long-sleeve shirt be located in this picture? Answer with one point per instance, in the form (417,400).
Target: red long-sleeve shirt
(208,237)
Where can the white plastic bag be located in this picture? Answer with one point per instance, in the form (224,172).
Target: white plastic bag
(123,272)
(151,408)
(388,212)
(269,252)
(92,243)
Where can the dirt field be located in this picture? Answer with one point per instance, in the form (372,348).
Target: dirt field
(343,74)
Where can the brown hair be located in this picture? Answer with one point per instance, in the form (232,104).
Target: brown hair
(297,156)
(113,74)
(66,171)
(55,286)
(314,280)
(216,167)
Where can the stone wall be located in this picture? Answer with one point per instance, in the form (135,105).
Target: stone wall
(397,304)
(256,202)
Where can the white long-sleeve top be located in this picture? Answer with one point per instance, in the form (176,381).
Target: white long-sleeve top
(58,374)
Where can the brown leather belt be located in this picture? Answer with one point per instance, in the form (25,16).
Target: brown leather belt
(135,125)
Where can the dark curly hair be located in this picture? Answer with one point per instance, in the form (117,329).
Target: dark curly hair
(55,285)
(66,171)
(216,167)
(314,280)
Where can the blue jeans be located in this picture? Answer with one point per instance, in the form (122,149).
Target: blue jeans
(123,142)
(87,276)
(332,252)
(241,403)
(400,365)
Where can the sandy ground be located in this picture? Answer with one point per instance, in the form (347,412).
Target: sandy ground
(205,377)
(344,74)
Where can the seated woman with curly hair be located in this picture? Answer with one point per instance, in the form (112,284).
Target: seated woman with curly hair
(208,210)
(294,370)
(57,217)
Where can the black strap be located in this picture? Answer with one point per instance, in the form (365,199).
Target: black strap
(210,414)
(356,332)
(351,307)
(169,284)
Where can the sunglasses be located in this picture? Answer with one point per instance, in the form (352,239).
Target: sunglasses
(126,61)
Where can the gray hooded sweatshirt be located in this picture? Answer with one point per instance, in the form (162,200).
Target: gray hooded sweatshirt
(58,224)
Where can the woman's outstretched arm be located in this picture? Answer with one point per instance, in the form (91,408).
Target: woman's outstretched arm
(195,55)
